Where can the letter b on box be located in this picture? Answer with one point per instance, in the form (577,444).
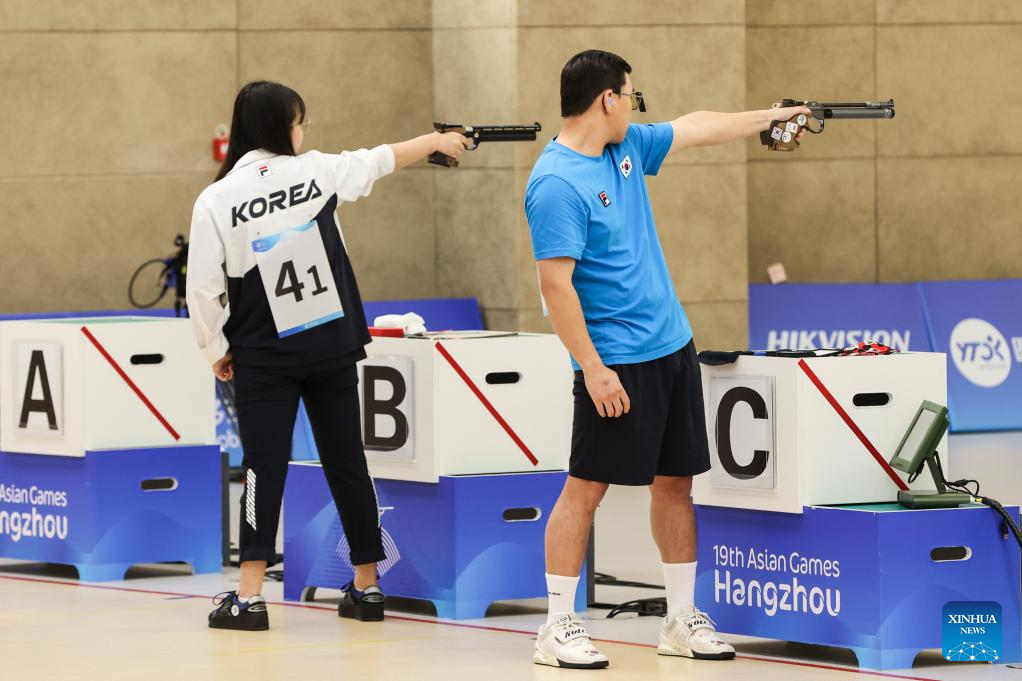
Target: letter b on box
(388,407)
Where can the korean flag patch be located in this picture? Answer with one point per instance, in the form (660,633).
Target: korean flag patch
(626,166)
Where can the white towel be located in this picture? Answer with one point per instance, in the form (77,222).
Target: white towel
(410,322)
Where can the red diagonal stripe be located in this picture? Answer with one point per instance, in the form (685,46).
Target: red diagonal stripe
(851,424)
(131,384)
(486,403)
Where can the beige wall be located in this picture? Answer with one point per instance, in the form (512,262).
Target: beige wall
(109,106)
(931,194)
(686,55)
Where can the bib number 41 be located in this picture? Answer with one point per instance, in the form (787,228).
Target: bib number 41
(297,279)
(288,282)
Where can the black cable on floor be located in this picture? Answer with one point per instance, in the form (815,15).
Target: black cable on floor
(603,579)
(644,607)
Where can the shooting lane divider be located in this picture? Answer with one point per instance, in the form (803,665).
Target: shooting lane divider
(486,403)
(851,424)
(131,384)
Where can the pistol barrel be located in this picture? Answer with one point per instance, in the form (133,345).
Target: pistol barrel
(846,110)
(856,112)
(484,133)
(506,133)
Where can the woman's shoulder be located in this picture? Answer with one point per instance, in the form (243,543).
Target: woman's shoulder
(314,155)
(211,191)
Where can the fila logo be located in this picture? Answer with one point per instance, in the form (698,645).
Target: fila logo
(604,198)
(626,166)
(280,200)
(264,170)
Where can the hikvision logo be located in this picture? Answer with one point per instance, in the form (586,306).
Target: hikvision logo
(807,339)
(980,352)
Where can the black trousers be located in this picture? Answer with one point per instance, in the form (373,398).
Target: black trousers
(267,403)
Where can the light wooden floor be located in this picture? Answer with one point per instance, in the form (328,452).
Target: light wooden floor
(153,627)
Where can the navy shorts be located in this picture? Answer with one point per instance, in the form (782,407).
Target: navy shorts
(664,433)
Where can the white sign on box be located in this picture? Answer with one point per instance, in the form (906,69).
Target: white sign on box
(37,391)
(744,447)
(388,407)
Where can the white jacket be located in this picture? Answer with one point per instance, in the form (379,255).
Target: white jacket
(266,194)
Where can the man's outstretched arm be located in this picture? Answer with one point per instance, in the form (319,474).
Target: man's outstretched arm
(709,128)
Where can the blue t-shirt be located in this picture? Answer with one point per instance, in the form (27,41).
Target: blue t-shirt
(596,210)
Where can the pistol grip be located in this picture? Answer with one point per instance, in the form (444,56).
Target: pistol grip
(782,135)
(440,159)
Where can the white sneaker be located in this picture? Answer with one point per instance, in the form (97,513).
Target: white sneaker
(692,634)
(566,643)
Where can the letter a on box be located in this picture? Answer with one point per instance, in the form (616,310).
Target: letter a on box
(39,387)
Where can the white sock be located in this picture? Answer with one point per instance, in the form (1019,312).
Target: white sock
(561,594)
(680,580)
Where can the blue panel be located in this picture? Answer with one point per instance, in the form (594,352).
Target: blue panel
(854,578)
(979,325)
(91,511)
(447,542)
(814,316)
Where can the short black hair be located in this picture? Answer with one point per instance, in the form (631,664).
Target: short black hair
(263,114)
(586,75)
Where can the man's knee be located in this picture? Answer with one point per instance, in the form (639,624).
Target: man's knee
(673,487)
(584,494)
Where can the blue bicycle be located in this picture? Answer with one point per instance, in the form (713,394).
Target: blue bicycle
(155,277)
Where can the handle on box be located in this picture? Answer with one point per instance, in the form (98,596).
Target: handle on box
(503,377)
(949,554)
(151,358)
(871,399)
(528,514)
(158,484)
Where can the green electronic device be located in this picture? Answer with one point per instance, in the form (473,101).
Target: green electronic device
(918,448)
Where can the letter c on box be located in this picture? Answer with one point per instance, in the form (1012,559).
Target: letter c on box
(724,452)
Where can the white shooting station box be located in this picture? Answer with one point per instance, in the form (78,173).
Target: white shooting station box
(422,419)
(60,394)
(777,444)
